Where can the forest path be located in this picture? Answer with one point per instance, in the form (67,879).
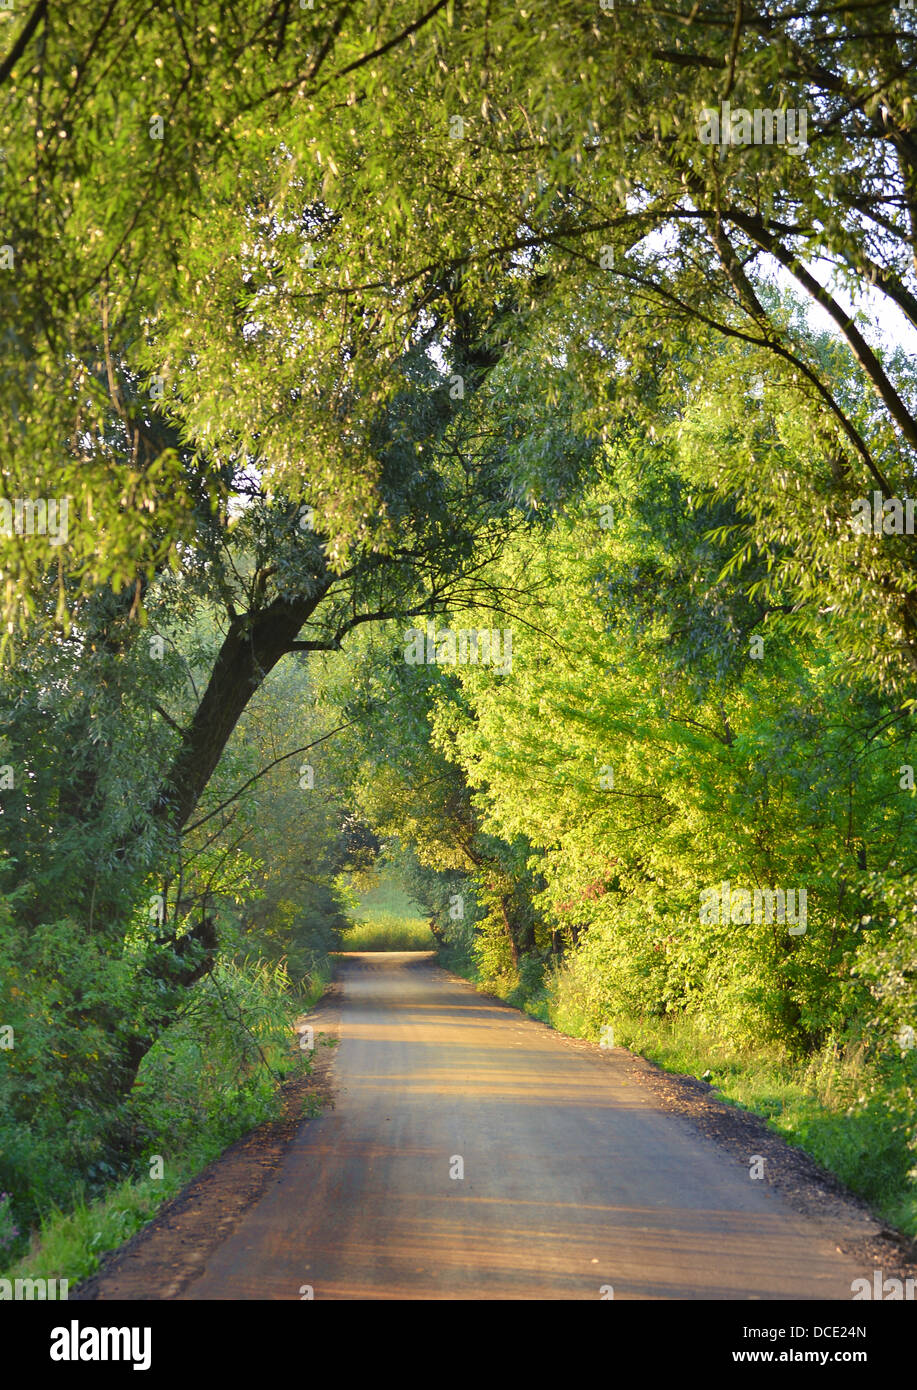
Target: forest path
(575,1179)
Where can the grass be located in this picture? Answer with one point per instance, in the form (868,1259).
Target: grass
(314,985)
(386,918)
(386,894)
(385,931)
(835,1105)
(70,1245)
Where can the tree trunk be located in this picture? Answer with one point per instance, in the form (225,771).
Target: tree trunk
(251,649)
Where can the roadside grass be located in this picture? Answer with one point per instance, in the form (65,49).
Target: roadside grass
(836,1105)
(388,931)
(69,1245)
(312,988)
(852,1116)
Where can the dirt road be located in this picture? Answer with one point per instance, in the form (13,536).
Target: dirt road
(473,1153)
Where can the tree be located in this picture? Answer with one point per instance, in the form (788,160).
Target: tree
(260,268)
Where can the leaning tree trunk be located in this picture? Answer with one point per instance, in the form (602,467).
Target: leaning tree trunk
(250,650)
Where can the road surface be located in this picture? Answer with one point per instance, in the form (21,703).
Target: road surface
(573,1182)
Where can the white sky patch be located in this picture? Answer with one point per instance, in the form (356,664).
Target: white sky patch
(888,325)
(878,318)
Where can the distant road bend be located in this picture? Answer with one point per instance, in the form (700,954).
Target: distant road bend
(574,1182)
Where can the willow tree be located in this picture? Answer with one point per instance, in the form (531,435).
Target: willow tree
(254,210)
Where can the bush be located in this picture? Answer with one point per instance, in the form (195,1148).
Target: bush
(210,1076)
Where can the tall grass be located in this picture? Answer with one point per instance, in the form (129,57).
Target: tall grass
(386,918)
(386,931)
